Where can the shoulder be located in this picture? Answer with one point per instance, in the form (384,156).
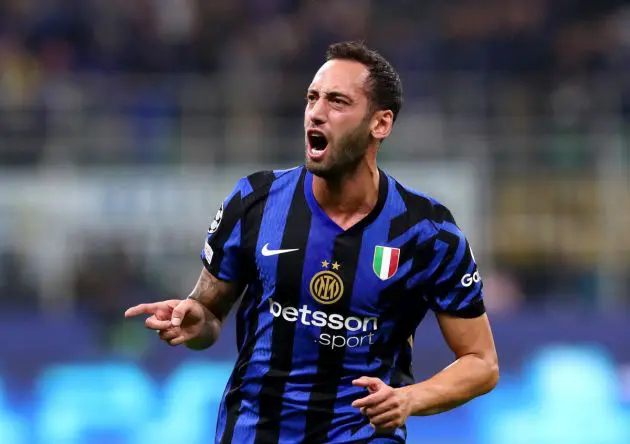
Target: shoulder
(258,185)
(422,208)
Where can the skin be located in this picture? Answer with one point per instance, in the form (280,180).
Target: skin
(346,180)
(345,184)
(195,321)
(475,372)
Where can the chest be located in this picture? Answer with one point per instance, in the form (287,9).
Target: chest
(358,272)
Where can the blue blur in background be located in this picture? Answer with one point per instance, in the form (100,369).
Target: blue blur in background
(552,391)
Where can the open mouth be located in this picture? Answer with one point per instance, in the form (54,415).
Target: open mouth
(317,141)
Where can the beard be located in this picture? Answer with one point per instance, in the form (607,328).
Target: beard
(344,155)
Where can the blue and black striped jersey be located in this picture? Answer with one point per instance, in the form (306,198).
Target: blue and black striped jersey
(324,305)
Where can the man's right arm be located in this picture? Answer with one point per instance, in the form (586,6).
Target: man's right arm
(197,320)
(217,297)
(220,283)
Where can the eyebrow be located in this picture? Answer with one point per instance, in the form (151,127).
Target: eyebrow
(331,94)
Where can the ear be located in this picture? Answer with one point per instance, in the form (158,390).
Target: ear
(381,124)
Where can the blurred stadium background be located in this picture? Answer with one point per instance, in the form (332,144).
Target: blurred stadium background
(124,123)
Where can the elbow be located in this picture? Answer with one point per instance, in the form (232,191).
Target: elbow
(492,375)
(487,373)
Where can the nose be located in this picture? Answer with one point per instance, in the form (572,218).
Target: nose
(317,112)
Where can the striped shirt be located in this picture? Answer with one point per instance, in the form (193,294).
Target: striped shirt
(324,306)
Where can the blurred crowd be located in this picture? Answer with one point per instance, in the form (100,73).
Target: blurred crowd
(48,48)
(515,37)
(116,81)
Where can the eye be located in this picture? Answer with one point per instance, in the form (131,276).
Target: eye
(310,98)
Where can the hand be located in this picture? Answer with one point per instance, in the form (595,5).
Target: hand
(177,320)
(387,408)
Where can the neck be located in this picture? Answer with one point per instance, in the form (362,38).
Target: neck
(350,197)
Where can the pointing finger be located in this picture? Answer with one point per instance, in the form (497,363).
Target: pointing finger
(141,309)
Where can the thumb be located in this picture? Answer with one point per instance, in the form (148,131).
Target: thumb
(179,312)
(372,384)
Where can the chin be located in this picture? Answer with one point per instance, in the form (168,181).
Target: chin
(328,172)
(317,169)
(332,167)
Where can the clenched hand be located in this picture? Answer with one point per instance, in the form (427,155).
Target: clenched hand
(387,408)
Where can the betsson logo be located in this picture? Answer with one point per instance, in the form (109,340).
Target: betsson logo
(333,321)
(468,279)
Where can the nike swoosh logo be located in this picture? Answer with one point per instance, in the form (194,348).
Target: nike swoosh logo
(267,252)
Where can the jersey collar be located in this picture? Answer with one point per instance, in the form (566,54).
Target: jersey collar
(318,212)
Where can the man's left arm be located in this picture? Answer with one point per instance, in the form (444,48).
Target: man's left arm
(453,289)
(474,373)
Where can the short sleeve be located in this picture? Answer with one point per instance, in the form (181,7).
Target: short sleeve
(450,279)
(221,254)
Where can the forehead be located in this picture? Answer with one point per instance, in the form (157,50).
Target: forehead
(345,76)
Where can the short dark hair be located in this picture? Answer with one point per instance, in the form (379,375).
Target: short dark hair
(385,87)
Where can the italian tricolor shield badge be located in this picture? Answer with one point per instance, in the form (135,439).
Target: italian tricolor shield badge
(385,261)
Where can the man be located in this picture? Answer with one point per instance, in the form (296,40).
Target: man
(337,264)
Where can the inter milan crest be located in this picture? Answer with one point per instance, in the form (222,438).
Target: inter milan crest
(326,286)
(214,225)
(385,262)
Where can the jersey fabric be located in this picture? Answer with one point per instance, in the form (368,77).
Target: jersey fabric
(324,306)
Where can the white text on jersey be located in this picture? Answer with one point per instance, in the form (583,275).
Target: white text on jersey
(334,321)
(468,279)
